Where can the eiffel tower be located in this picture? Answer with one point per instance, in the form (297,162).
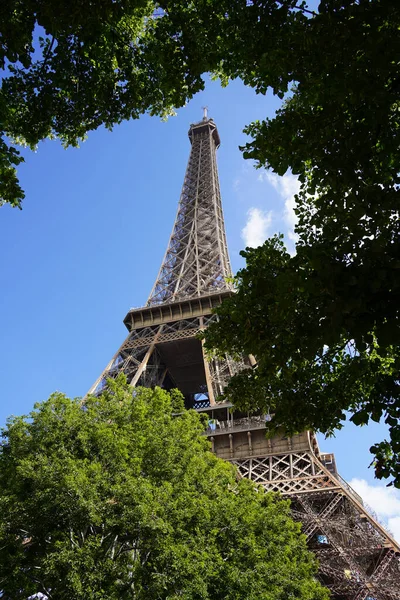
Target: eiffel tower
(358,558)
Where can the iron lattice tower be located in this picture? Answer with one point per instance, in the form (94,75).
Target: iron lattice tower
(197,261)
(359,560)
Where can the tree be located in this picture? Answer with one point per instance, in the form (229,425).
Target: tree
(67,69)
(324,324)
(316,358)
(119,498)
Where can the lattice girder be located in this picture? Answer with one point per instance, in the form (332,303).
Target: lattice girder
(358,558)
(147,358)
(197,261)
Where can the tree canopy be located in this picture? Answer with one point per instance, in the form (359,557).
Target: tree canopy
(324,324)
(118,498)
(69,67)
(323,347)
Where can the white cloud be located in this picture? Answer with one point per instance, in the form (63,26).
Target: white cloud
(287,187)
(236,184)
(394,527)
(384,501)
(271,212)
(254,233)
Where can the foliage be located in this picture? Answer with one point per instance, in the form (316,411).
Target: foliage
(117,498)
(69,67)
(315,361)
(324,324)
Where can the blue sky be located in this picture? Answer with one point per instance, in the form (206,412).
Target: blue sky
(90,239)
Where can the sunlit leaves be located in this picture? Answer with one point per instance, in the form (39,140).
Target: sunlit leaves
(120,499)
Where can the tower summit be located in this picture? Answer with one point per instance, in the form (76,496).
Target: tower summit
(358,559)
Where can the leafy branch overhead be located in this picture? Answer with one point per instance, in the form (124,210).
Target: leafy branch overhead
(322,348)
(325,324)
(68,68)
(121,499)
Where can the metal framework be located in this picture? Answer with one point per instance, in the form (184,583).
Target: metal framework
(359,560)
(162,348)
(197,260)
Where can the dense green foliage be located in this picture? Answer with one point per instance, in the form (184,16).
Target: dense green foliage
(324,324)
(321,351)
(119,499)
(69,67)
